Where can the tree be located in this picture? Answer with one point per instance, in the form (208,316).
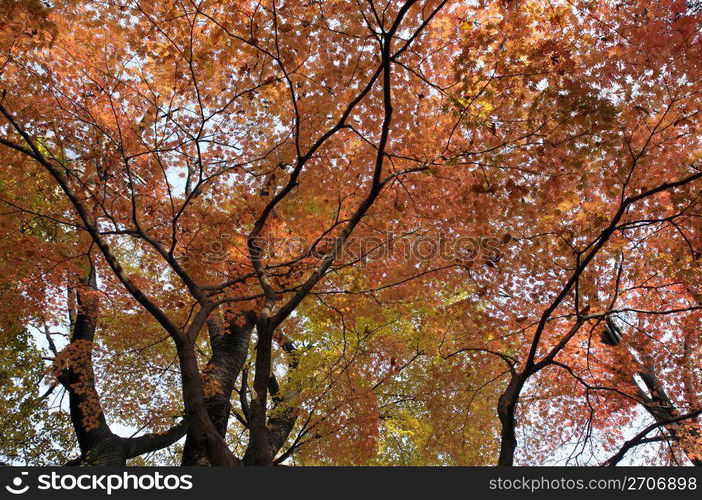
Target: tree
(355,232)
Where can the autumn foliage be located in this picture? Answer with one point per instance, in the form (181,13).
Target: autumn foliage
(351,232)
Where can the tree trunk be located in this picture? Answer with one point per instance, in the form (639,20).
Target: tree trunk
(258,436)
(230,348)
(506,407)
(661,408)
(99,446)
(201,431)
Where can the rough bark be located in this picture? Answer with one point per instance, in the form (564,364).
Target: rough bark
(201,431)
(230,348)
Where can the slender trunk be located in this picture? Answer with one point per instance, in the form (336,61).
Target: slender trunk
(506,407)
(658,404)
(656,401)
(284,413)
(258,437)
(99,446)
(279,426)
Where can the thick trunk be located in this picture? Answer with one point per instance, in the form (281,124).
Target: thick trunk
(202,433)
(229,352)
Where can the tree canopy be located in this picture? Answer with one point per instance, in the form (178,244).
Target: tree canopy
(350,232)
